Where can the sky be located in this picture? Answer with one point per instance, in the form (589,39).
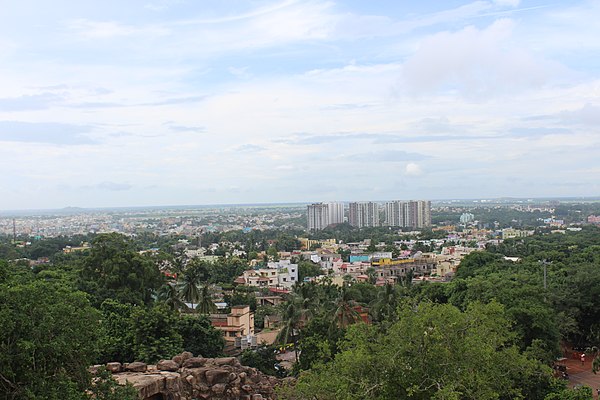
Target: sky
(175,102)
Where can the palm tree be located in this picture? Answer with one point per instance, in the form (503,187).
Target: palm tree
(291,319)
(205,303)
(307,300)
(344,312)
(384,306)
(189,286)
(169,295)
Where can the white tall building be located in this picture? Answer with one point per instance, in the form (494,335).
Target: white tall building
(363,214)
(336,213)
(408,214)
(321,215)
(317,216)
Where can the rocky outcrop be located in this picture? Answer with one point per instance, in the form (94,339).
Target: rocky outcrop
(186,378)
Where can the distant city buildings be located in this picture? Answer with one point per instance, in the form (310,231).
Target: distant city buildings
(593,219)
(336,213)
(363,214)
(318,216)
(321,215)
(465,218)
(408,214)
(510,233)
(404,214)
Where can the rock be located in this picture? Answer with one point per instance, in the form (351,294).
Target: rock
(219,388)
(215,376)
(136,367)
(167,365)
(114,367)
(186,354)
(178,359)
(225,361)
(94,369)
(199,378)
(247,388)
(146,385)
(194,362)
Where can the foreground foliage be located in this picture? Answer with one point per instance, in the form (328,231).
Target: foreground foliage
(432,352)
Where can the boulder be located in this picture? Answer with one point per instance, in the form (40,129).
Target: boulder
(94,369)
(167,365)
(215,376)
(194,362)
(219,388)
(114,367)
(136,367)
(178,359)
(225,361)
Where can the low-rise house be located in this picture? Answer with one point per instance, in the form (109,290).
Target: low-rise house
(276,274)
(237,324)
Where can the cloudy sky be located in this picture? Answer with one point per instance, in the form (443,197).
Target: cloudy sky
(167,102)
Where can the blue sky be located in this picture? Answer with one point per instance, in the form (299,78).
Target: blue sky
(166,102)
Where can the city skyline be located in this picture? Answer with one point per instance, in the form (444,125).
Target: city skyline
(169,102)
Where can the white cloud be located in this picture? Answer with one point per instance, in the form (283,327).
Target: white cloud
(90,29)
(477,63)
(413,169)
(507,3)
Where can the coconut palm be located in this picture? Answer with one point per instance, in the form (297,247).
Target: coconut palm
(205,302)
(384,306)
(189,286)
(291,320)
(344,312)
(169,295)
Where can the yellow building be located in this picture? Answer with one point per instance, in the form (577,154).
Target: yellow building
(306,243)
(238,323)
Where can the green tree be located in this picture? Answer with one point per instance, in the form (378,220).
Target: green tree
(384,307)
(169,295)
(291,320)
(432,352)
(206,305)
(105,387)
(48,340)
(155,334)
(189,286)
(199,336)
(115,270)
(263,358)
(308,269)
(116,343)
(344,313)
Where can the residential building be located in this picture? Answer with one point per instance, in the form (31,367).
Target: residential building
(593,219)
(336,213)
(317,216)
(362,214)
(281,274)
(465,218)
(510,233)
(321,215)
(408,214)
(306,244)
(237,324)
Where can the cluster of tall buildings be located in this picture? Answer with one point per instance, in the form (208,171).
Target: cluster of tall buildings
(412,214)
(405,214)
(321,215)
